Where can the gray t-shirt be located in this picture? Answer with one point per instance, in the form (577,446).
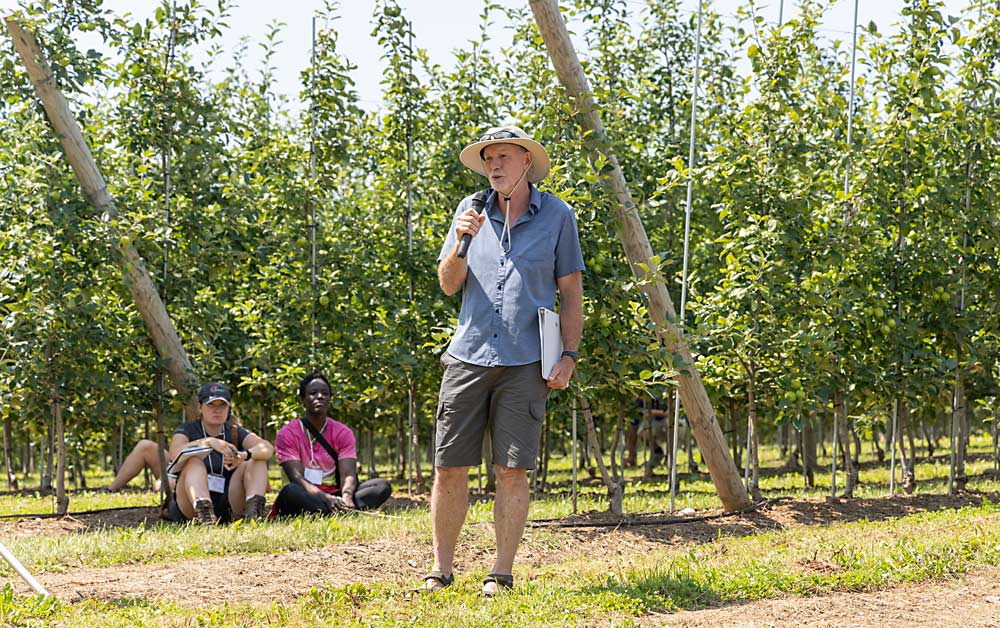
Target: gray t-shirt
(498,322)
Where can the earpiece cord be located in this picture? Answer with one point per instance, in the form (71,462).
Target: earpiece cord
(506,214)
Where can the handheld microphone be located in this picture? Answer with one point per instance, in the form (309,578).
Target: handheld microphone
(479,204)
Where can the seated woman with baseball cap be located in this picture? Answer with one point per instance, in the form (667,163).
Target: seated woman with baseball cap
(230,481)
(319,457)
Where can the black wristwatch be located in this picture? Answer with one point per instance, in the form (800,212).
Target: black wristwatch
(573,354)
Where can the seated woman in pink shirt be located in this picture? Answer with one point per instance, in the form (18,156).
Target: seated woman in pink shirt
(319,457)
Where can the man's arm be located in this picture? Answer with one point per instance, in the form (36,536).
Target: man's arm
(570,325)
(451,272)
(453,269)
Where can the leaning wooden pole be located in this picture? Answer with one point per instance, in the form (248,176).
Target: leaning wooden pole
(697,406)
(137,278)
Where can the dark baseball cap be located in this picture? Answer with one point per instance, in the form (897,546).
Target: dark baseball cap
(214,390)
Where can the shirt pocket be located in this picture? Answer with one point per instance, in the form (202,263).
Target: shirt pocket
(539,260)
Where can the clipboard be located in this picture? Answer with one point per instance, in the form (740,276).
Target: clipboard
(191,451)
(550,337)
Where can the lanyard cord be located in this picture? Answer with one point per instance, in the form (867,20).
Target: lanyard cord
(506,229)
(211,468)
(312,444)
(506,213)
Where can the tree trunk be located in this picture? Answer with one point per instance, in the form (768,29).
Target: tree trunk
(8,455)
(809,463)
(927,431)
(79,463)
(734,436)
(697,406)
(911,439)
(585,458)
(821,434)
(545,452)
(136,276)
(62,501)
(689,449)
(370,453)
(118,448)
(161,440)
(845,429)
(401,447)
(418,474)
(996,439)
(794,449)
(904,435)
(48,447)
(857,448)
(876,445)
(668,439)
(615,487)
(961,423)
(752,456)
(618,447)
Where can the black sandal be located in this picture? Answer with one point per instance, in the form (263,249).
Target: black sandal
(433,582)
(503,582)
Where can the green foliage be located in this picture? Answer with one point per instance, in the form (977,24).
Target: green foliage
(798,290)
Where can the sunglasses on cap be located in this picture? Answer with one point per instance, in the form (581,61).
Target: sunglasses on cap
(503,134)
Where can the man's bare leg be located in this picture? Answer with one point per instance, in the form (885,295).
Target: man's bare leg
(510,513)
(449,505)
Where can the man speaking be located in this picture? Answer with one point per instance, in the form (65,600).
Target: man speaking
(520,250)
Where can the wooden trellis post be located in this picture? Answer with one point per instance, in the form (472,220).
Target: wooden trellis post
(136,276)
(699,410)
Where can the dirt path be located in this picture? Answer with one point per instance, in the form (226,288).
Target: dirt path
(254,580)
(972,600)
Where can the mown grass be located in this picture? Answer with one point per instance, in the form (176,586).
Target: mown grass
(576,590)
(581,591)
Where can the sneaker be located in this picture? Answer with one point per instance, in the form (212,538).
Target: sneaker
(204,512)
(254,509)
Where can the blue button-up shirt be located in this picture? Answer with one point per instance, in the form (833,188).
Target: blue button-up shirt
(498,323)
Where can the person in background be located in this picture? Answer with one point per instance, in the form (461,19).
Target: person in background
(144,455)
(649,421)
(231,480)
(319,458)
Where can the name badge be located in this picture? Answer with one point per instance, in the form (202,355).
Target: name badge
(216,483)
(314,476)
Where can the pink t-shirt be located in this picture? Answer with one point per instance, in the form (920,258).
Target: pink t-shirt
(294,442)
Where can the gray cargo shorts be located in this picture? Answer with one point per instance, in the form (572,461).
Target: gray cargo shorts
(507,400)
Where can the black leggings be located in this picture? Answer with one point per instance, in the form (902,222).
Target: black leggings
(295,500)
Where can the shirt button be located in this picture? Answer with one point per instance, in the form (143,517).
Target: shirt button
(494,335)
(498,310)
(499,286)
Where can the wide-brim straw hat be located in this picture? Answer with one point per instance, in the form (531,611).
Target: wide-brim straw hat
(472,155)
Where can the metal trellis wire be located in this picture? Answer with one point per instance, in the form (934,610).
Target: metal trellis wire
(687,240)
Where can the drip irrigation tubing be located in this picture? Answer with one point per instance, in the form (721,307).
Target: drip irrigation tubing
(55,515)
(533,523)
(621,523)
